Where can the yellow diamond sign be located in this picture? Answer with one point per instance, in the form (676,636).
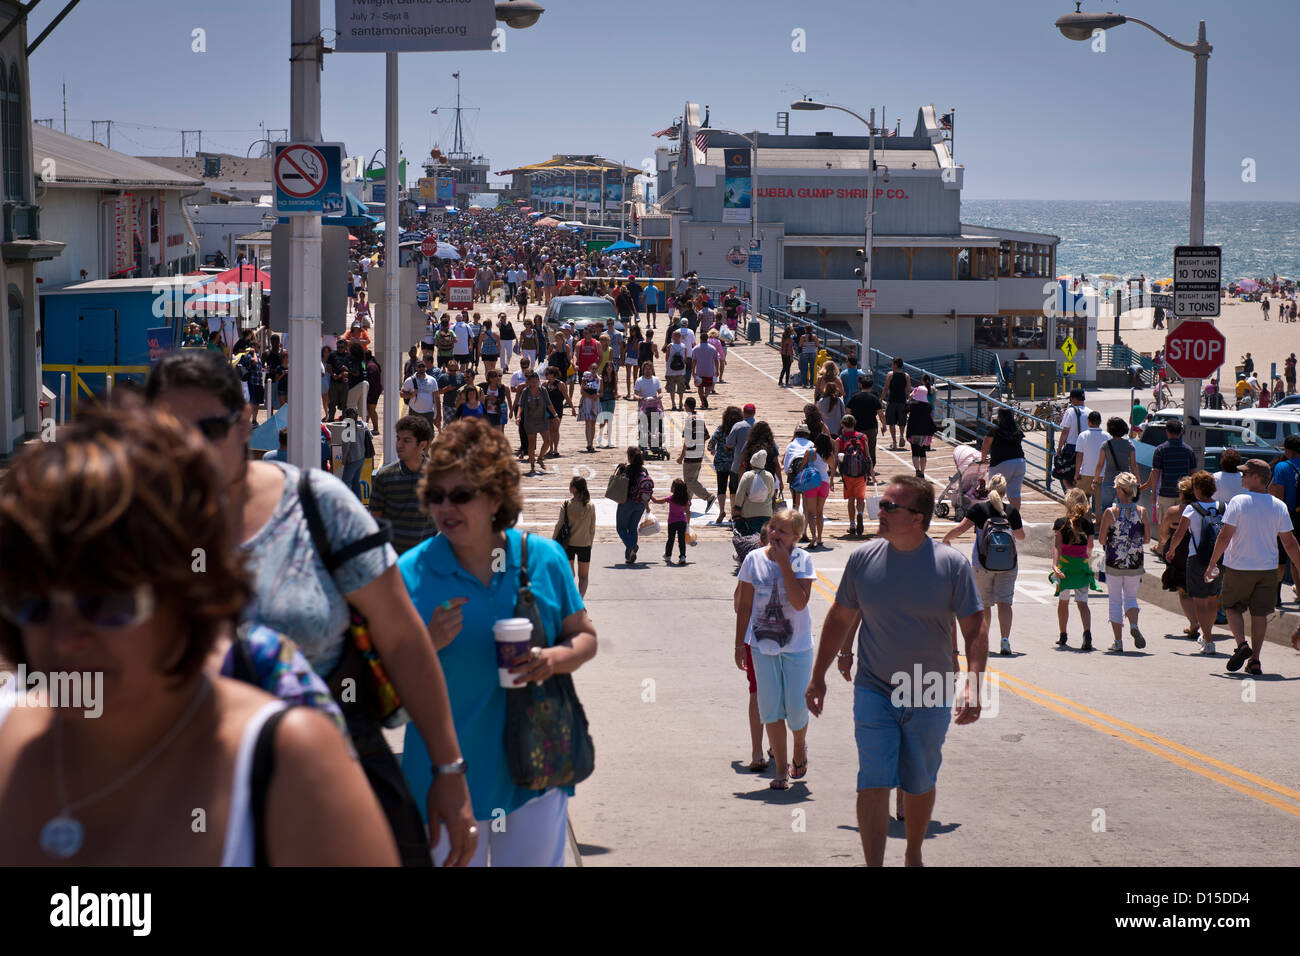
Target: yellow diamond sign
(1069,348)
(1071,368)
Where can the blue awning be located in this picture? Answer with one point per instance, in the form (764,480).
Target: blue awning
(354,216)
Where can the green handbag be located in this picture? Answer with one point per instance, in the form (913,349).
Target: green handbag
(547,741)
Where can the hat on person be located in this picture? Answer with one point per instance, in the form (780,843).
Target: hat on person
(749,409)
(802,429)
(758,459)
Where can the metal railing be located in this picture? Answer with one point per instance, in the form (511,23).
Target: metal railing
(1121,356)
(81,384)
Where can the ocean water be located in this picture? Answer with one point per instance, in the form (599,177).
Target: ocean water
(1138,238)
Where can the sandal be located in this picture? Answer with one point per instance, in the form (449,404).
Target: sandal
(1191,633)
(780,783)
(1254,668)
(799,770)
(757,766)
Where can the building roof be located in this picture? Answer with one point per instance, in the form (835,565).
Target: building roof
(775,158)
(234,169)
(79,162)
(1015,235)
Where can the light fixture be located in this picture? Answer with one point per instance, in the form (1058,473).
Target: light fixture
(519,13)
(807,105)
(1081,26)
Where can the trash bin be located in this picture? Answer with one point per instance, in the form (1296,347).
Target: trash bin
(755,332)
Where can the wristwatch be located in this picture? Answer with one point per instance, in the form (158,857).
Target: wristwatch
(459,765)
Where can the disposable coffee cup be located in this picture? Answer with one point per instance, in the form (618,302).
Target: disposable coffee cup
(514,638)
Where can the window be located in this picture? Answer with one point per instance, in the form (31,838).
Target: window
(991,332)
(1075,328)
(11,119)
(17,350)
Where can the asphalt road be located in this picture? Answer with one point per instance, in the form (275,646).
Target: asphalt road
(1155,758)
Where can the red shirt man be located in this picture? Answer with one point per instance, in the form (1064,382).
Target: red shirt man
(588,351)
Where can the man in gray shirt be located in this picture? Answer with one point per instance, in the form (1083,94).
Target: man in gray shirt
(736,439)
(907,589)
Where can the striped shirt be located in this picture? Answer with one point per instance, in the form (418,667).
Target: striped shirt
(393,498)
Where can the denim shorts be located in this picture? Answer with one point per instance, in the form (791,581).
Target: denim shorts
(897,746)
(782,682)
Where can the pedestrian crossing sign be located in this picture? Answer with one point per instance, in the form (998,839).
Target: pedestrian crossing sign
(1071,368)
(1069,348)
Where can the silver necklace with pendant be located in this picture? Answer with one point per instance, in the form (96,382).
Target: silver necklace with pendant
(62,836)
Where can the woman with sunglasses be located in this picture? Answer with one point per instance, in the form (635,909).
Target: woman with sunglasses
(294,593)
(98,537)
(463,582)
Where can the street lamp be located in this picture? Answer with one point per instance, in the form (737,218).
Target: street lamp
(754,245)
(519,13)
(1081,26)
(864,272)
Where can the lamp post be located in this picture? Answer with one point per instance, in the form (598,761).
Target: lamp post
(869,230)
(1082,26)
(752,140)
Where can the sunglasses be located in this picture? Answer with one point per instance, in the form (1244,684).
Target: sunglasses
(109,612)
(457,496)
(889,507)
(218,427)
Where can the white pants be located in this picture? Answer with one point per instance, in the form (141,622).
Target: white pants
(531,355)
(507,350)
(533,835)
(1123,594)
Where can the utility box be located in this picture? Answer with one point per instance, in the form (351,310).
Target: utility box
(1035,378)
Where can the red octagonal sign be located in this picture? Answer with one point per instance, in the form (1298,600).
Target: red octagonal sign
(1195,349)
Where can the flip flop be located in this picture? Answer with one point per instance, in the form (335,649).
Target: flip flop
(799,770)
(757,766)
(780,783)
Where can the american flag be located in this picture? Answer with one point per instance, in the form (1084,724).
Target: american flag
(702,140)
(672,132)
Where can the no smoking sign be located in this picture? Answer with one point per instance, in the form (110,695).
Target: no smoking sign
(308,178)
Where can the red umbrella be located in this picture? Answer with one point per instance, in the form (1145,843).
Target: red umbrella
(245,273)
(352,238)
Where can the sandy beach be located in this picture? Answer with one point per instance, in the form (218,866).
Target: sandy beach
(1242,323)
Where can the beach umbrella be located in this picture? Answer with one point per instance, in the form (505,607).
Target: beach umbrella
(1247,285)
(534,215)
(548,222)
(1108,277)
(447,251)
(245,273)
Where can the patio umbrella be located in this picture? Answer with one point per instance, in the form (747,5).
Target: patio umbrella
(621,245)
(447,251)
(1247,285)
(548,222)
(352,238)
(381,226)
(244,273)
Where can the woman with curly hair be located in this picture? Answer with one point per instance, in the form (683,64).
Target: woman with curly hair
(100,532)
(462,582)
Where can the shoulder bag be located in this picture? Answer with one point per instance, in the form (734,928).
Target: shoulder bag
(371,694)
(618,487)
(565,530)
(547,740)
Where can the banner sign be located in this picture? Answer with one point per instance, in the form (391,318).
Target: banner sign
(413,26)
(446,190)
(736,185)
(161,342)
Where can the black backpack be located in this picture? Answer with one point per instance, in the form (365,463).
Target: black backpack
(677,363)
(854,464)
(1211,525)
(997,545)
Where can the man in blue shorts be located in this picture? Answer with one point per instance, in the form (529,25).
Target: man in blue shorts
(908,589)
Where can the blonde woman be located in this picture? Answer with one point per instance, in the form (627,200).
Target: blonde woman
(829,373)
(995,587)
(1072,543)
(1125,530)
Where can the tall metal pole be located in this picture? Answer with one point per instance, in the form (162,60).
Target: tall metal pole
(865,357)
(304,246)
(753,224)
(391,334)
(1192,386)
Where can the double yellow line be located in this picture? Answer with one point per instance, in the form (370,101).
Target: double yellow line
(1248,784)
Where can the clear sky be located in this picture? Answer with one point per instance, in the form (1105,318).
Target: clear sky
(1038,116)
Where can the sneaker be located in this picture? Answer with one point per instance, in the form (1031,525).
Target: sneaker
(1138,640)
(1087,641)
(1239,656)
(1063,641)
(1117,647)
(1006,647)
(1207,647)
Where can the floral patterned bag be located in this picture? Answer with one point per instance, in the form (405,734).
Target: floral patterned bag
(547,742)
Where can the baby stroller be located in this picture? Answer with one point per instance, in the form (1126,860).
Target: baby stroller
(964,488)
(650,429)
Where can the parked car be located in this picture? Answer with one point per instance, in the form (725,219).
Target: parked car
(572,309)
(1271,427)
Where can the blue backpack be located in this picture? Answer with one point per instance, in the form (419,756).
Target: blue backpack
(807,479)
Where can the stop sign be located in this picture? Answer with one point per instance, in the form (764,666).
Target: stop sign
(429,247)
(1195,349)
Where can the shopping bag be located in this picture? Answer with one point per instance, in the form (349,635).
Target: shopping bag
(691,537)
(649,523)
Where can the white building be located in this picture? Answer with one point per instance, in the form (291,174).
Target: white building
(21,246)
(120,216)
(944,287)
